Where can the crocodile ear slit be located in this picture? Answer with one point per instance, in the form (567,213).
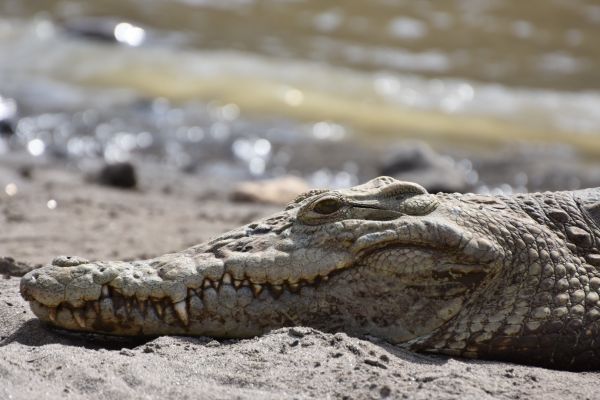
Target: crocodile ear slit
(593,211)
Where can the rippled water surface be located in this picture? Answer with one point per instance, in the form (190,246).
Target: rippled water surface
(113,78)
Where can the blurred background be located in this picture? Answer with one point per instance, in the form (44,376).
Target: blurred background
(491,96)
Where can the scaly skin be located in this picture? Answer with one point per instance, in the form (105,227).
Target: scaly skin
(511,278)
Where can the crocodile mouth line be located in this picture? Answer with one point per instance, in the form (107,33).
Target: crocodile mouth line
(128,311)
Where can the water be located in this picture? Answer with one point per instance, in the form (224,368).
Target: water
(206,80)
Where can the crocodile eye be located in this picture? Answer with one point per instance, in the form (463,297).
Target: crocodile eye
(327,206)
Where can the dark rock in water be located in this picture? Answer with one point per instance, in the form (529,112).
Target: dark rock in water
(10,267)
(121,175)
(105,29)
(26,171)
(8,116)
(417,162)
(101,29)
(6,128)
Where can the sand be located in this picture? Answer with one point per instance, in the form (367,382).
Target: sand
(57,211)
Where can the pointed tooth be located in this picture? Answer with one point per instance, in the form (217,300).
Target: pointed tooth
(216,284)
(128,305)
(159,308)
(52,314)
(256,288)
(206,284)
(294,286)
(325,278)
(237,284)
(110,304)
(142,305)
(245,282)
(105,292)
(227,279)
(79,318)
(96,305)
(277,289)
(181,310)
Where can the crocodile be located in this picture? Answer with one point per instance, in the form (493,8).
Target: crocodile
(513,278)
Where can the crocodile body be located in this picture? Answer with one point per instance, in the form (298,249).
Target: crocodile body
(513,278)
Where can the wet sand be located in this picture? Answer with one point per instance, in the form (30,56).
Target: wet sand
(167,213)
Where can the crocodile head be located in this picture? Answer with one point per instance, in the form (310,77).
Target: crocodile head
(385,259)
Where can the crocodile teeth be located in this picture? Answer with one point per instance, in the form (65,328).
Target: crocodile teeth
(216,284)
(105,292)
(206,284)
(159,308)
(180,309)
(128,306)
(277,289)
(256,289)
(294,286)
(237,284)
(227,279)
(79,318)
(52,314)
(142,305)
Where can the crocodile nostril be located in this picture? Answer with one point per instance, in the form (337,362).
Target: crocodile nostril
(68,261)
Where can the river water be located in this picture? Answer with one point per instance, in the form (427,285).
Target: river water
(197,81)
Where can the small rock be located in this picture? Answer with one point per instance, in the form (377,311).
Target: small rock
(353,349)
(418,162)
(121,175)
(278,191)
(26,171)
(10,267)
(375,363)
(385,391)
(296,332)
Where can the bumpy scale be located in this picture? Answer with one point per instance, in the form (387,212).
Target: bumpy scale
(510,278)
